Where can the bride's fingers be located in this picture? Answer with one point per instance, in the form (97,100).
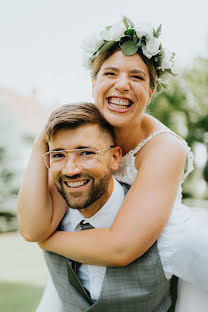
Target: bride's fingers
(41,137)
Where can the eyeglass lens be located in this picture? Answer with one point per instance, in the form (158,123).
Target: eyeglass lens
(82,158)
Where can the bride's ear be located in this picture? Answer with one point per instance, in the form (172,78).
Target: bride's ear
(93,85)
(150,94)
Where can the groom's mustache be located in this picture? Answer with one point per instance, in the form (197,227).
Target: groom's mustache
(74,177)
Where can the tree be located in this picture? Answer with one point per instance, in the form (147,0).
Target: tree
(183,107)
(11,146)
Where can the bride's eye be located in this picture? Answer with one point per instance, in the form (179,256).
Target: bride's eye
(138,77)
(109,74)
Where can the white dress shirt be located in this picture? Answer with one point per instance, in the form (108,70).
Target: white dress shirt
(92,276)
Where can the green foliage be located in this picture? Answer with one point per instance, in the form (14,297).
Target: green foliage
(185,97)
(205,172)
(129,47)
(183,107)
(106,46)
(11,148)
(127,22)
(129,32)
(156,33)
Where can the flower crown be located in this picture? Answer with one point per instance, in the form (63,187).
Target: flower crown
(131,38)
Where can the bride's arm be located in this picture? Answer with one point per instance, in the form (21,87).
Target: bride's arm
(37,197)
(142,216)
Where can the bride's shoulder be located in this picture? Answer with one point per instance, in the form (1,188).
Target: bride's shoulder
(162,134)
(162,146)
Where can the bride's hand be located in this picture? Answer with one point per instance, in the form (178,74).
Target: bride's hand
(41,139)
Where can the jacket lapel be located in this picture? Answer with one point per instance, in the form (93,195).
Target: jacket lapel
(75,282)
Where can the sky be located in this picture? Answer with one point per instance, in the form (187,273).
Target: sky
(40,40)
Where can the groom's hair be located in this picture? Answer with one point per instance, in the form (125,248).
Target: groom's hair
(71,116)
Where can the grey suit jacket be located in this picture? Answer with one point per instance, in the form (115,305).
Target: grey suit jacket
(139,286)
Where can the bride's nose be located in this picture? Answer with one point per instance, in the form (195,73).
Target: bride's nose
(122,83)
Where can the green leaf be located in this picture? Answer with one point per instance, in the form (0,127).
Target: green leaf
(157,32)
(107,46)
(162,55)
(159,88)
(129,47)
(108,27)
(123,39)
(100,47)
(129,32)
(125,22)
(140,43)
(170,72)
(134,38)
(130,22)
(164,85)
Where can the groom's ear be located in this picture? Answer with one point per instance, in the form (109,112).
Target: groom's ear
(116,157)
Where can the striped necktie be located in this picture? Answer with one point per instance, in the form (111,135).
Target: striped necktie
(84,226)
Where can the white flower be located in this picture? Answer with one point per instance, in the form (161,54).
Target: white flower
(174,69)
(167,63)
(165,77)
(143,29)
(152,47)
(86,60)
(114,33)
(90,44)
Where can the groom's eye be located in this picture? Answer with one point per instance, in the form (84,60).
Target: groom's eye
(58,155)
(86,153)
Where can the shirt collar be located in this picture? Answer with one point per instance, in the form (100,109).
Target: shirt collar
(104,217)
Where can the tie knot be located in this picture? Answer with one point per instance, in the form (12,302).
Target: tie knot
(85,226)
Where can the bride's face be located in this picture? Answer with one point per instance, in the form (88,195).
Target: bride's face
(122,89)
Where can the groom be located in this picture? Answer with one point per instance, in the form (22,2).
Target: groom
(81,160)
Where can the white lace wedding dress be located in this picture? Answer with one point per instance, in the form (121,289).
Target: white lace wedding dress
(183,244)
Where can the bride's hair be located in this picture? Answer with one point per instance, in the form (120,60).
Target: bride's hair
(104,55)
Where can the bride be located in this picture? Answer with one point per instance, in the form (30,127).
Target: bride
(127,63)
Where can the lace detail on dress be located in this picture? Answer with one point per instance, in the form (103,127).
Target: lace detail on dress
(171,247)
(127,172)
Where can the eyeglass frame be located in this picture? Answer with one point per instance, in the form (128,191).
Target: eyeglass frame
(72,151)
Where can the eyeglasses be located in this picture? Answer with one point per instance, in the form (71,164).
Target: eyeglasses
(83,158)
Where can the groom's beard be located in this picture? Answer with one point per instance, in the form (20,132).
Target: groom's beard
(91,192)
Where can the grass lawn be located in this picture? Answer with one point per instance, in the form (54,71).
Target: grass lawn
(19,297)
(23,274)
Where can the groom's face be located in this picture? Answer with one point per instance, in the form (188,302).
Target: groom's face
(84,188)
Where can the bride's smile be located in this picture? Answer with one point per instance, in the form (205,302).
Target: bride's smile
(122,89)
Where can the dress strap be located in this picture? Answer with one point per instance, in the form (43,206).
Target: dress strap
(190,155)
(141,144)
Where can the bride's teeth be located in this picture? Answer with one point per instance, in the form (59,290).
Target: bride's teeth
(119,103)
(117,106)
(76,184)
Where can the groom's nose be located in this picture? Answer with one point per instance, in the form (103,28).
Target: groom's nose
(70,167)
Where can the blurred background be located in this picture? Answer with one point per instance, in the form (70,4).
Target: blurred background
(41,68)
